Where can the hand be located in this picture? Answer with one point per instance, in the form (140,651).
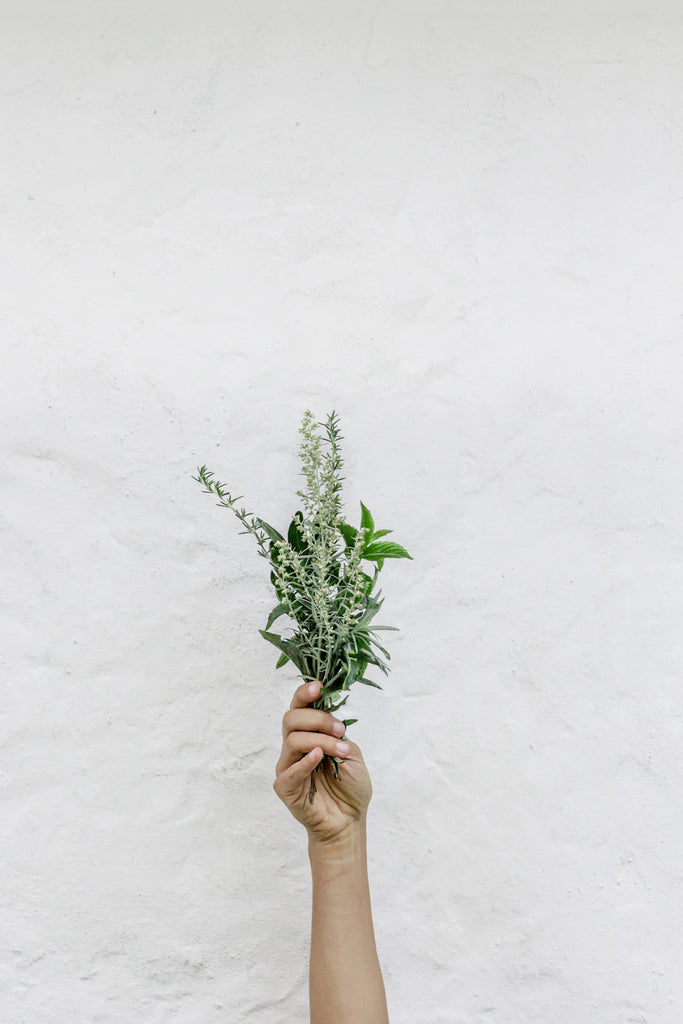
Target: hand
(338,804)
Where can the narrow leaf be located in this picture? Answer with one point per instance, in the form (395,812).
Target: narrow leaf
(380,648)
(369,682)
(335,707)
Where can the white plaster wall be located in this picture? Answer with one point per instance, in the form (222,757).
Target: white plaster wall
(459,224)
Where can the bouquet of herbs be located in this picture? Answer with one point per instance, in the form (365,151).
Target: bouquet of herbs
(319,576)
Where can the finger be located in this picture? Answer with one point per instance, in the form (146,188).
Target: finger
(289,782)
(299,743)
(305,695)
(311,720)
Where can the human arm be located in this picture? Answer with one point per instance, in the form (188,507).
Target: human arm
(345,980)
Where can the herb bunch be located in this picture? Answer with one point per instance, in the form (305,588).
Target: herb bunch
(319,576)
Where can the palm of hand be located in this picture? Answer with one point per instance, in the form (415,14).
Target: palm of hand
(336,802)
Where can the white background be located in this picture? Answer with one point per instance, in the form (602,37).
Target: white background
(459,225)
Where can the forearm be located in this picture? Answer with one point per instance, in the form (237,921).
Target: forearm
(345,976)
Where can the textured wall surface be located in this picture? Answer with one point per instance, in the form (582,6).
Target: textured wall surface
(459,225)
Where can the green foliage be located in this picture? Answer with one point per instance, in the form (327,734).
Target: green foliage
(317,572)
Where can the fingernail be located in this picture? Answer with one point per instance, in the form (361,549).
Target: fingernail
(313,689)
(338,728)
(343,748)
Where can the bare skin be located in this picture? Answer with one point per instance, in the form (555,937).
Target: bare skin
(345,979)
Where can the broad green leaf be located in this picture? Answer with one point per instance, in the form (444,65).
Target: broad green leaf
(272,638)
(280,609)
(287,647)
(274,553)
(349,721)
(360,663)
(278,588)
(294,537)
(270,530)
(348,533)
(353,673)
(366,520)
(369,582)
(385,549)
(282,660)
(380,533)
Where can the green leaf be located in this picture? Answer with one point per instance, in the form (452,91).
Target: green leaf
(366,520)
(371,608)
(335,707)
(369,582)
(349,721)
(348,533)
(372,659)
(385,549)
(280,609)
(287,647)
(354,671)
(294,537)
(382,649)
(282,660)
(386,627)
(380,533)
(270,530)
(361,663)
(369,682)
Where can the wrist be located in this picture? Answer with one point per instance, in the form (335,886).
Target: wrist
(347,846)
